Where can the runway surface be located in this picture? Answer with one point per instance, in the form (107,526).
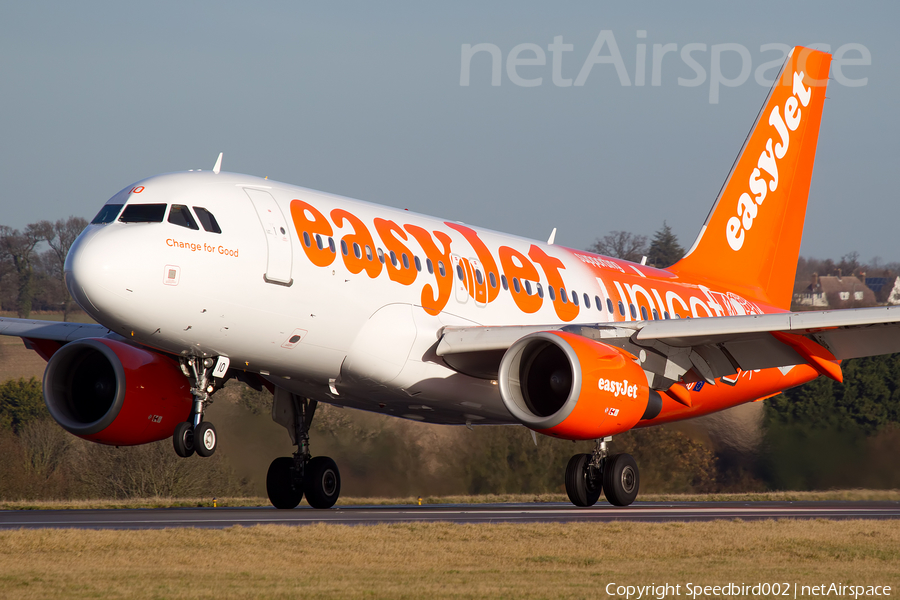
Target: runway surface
(217,518)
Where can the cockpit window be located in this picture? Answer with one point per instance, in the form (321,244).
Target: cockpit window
(143,213)
(107,214)
(207,220)
(180,215)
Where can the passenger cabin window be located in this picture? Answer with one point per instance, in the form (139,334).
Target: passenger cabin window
(180,215)
(143,213)
(107,214)
(207,220)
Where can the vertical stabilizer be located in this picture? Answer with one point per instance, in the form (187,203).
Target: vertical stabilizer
(751,239)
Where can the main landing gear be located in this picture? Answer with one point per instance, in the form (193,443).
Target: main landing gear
(197,435)
(589,475)
(290,477)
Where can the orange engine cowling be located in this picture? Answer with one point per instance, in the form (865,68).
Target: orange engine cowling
(571,387)
(111,392)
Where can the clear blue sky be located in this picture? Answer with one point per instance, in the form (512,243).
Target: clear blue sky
(364,99)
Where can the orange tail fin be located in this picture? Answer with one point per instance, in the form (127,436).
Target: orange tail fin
(751,239)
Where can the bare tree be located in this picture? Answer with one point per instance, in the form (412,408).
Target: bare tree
(60,236)
(17,249)
(621,244)
(44,445)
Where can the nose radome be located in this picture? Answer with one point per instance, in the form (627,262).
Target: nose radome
(82,269)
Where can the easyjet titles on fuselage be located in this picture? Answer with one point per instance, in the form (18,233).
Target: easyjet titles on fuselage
(631,297)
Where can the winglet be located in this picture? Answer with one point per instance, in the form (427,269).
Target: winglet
(218,166)
(751,239)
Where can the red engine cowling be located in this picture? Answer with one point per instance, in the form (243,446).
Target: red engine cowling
(571,387)
(114,393)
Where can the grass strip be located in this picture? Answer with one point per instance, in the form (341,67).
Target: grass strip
(832,495)
(417,560)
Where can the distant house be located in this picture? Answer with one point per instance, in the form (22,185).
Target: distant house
(893,296)
(887,289)
(835,291)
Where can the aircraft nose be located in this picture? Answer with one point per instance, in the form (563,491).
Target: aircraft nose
(84,267)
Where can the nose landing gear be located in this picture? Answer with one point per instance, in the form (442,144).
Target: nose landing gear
(183,439)
(587,475)
(197,435)
(290,477)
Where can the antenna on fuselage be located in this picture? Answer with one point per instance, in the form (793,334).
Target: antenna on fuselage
(218,166)
(552,237)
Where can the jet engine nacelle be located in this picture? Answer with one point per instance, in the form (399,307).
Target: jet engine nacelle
(571,387)
(111,392)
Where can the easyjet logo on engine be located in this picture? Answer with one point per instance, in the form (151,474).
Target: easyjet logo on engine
(748,206)
(618,388)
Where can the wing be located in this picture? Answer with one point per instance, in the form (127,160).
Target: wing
(44,337)
(711,347)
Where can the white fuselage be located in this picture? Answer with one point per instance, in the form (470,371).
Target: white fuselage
(332,332)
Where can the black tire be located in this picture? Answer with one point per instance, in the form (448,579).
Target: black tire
(183,439)
(583,490)
(621,479)
(205,439)
(283,484)
(322,482)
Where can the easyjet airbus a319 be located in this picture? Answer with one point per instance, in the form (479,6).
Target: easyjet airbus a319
(199,277)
